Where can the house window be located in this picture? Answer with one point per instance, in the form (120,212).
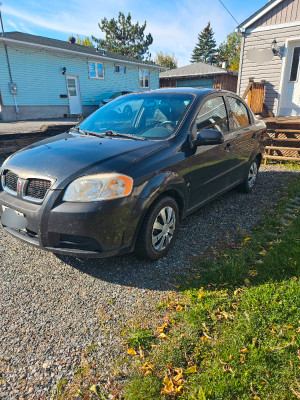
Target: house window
(144,78)
(120,69)
(96,70)
(295,65)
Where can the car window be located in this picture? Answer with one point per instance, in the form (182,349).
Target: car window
(213,115)
(239,113)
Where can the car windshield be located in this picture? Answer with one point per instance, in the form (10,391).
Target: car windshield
(152,116)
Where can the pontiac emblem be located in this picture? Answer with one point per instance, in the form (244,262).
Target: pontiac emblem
(20,186)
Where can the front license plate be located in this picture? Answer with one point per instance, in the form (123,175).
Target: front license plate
(13,219)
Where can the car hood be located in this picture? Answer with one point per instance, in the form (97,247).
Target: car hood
(67,156)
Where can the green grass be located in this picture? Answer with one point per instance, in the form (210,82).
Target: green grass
(239,324)
(139,337)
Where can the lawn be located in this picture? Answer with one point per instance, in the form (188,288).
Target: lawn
(234,333)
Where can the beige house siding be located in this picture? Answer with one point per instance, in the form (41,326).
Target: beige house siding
(285,12)
(269,71)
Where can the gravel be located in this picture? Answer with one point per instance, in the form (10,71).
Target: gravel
(53,307)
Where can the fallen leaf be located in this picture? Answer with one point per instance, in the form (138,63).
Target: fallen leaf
(163,336)
(178,308)
(162,328)
(95,389)
(141,352)
(246,240)
(131,351)
(244,351)
(191,370)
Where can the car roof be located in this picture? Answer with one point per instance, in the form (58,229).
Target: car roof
(199,92)
(190,90)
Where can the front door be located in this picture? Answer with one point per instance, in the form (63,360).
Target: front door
(290,96)
(74,94)
(210,165)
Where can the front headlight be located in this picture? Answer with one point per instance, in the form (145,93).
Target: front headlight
(98,187)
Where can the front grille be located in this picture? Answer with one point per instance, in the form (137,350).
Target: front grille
(37,188)
(11,180)
(33,189)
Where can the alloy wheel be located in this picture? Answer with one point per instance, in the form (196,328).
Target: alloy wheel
(252,174)
(163,228)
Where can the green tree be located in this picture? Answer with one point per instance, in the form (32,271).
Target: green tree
(124,37)
(205,49)
(84,42)
(166,60)
(229,51)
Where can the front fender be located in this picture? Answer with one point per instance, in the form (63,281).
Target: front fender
(166,182)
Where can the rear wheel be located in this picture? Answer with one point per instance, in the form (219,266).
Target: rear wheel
(250,180)
(159,230)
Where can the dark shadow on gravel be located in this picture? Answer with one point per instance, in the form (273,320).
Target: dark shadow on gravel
(213,225)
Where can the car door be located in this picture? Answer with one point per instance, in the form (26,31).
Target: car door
(243,136)
(210,165)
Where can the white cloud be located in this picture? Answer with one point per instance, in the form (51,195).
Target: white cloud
(174,24)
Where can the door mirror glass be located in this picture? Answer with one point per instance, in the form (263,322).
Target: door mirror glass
(209,137)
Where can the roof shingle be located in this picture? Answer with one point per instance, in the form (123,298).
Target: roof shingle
(196,69)
(65,45)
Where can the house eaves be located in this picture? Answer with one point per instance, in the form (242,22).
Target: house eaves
(254,17)
(78,53)
(193,75)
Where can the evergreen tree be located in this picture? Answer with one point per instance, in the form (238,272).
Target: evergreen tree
(123,37)
(229,51)
(205,49)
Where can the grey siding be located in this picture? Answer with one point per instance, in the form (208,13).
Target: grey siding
(269,71)
(285,12)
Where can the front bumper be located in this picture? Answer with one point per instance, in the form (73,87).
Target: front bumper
(96,229)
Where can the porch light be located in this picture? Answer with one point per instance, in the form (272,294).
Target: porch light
(64,70)
(274,47)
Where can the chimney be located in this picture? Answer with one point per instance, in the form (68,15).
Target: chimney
(72,39)
(224,64)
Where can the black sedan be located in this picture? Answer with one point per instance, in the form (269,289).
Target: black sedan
(124,178)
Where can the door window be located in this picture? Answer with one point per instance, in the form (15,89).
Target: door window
(213,115)
(72,87)
(295,65)
(239,113)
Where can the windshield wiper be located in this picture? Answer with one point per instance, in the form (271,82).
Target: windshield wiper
(84,132)
(127,135)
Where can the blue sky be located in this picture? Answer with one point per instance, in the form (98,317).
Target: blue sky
(174,24)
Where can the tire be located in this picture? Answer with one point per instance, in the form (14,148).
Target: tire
(251,177)
(158,230)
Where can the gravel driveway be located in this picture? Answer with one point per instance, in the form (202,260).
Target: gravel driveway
(53,308)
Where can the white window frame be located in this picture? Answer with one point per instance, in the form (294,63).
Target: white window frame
(144,69)
(119,72)
(96,69)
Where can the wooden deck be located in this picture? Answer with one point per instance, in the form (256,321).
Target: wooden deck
(282,120)
(283,141)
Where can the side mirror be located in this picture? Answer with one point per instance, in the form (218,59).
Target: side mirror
(208,137)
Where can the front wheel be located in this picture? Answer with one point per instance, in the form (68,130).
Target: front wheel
(250,180)
(159,230)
